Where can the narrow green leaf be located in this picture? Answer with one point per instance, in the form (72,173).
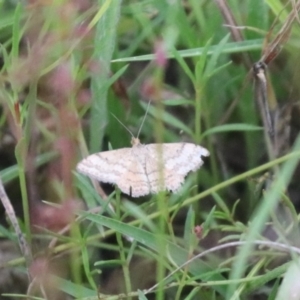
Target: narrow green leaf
(86,265)
(200,65)
(16,30)
(75,290)
(208,221)
(260,281)
(104,45)
(231,127)
(188,227)
(212,62)
(236,47)
(178,102)
(221,203)
(183,65)
(142,295)
(110,263)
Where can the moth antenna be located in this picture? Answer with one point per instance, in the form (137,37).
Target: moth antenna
(123,125)
(146,113)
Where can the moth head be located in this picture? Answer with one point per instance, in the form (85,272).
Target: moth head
(135,141)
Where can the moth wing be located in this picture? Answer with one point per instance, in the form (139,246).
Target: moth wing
(168,164)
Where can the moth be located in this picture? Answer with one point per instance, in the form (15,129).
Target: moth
(144,169)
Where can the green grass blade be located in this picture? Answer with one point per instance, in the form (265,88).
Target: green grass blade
(229,48)
(231,127)
(104,47)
